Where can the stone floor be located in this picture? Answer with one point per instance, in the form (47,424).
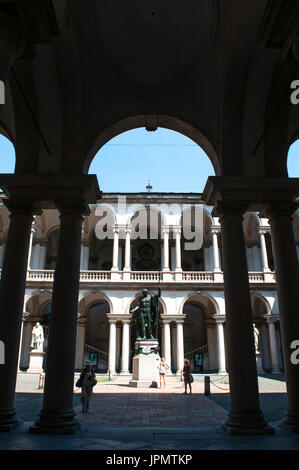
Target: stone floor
(125,418)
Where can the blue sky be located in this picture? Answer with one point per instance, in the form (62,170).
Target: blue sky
(171,161)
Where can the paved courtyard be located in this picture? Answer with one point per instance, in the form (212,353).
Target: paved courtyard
(122,417)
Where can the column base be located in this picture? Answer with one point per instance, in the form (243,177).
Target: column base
(55,423)
(250,423)
(276,371)
(125,372)
(290,422)
(9,420)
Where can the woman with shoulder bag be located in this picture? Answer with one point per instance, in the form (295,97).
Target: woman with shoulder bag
(86,381)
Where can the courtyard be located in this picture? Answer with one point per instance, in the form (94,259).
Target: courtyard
(126,418)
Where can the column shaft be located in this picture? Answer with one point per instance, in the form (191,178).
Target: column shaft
(12,290)
(220,349)
(178,250)
(287,278)
(112,348)
(245,416)
(166,250)
(273,348)
(115,251)
(216,250)
(128,251)
(167,343)
(264,252)
(180,346)
(125,347)
(57,414)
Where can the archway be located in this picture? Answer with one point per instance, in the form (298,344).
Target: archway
(200,335)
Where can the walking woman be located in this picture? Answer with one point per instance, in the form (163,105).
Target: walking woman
(187,375)
(163,367)
(86,381)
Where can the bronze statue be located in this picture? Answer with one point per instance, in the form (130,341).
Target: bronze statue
(147,320)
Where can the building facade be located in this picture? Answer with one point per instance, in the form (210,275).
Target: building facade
(167,240)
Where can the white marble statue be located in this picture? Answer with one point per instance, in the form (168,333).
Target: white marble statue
(37,338)
(256,338)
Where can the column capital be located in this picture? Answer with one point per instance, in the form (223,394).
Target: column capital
(229,207)
(271,318)
(85,242)
(263,230)
(279,209)
(165,229)
(219,318)
(215,229)
(21,206)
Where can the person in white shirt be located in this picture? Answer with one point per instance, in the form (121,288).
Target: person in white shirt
(163,367)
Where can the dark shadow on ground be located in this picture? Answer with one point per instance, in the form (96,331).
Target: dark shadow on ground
(273,405)
(28,405)
(278,377)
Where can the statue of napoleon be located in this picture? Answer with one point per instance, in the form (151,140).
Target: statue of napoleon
(147,320)
(37,338)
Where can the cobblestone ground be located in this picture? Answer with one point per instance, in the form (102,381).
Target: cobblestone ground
(116,404)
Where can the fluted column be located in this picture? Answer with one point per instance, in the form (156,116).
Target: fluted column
(220,346)
(12,290)
(273,345)
(125,346)
(245,416)
(57,414)
(287,282)
(112,347)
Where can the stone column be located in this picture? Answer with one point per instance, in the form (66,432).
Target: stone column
(81,330)
(29,261)
(2,249)
(36,256)
(263,250)
(220,346)
(12,290)
(118,358)
(115,250)
(112,347)
(43,254)
(125,347)
(85,255)
(57,414)
(178,260)
(273,346)
(245,416)
(212,349)
(166,249)
(216,249)
(180,345)
(287,282)
(127,266)
(167,343)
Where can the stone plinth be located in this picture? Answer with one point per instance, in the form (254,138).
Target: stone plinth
(36,362)
(259,365)
(145,372)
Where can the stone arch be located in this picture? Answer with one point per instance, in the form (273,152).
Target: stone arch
(90,299)
(152,122)
(263,301)
(197,296)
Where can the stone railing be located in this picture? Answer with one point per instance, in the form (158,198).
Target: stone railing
(198,276)
(86,276)
(145,276)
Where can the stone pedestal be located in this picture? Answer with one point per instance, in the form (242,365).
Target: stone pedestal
(36,362)
(259,365)
(145,372)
